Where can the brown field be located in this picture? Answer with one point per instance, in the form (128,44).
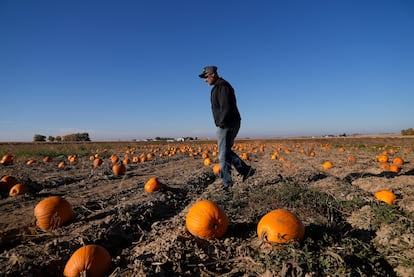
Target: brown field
(347,231)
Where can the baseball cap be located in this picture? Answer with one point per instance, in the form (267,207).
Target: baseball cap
(207,70)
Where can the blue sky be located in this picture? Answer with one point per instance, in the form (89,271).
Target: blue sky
(123,70)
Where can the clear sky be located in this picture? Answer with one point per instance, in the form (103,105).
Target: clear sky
(122,70)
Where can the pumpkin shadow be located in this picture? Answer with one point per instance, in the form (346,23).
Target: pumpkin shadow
(174,190)
(409,172)
(317,177)
(358,175)
(242,230)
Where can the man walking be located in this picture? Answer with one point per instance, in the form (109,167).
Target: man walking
(227,119)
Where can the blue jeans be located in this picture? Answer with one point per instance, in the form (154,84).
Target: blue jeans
(225,140)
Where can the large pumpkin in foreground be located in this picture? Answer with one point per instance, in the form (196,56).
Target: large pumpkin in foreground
(53,212)
(280,226)
(206,220)
(89,260)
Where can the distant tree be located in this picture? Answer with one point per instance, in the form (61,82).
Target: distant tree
(70,137)
(38,137)
(83,137)
(77,137)
(51,138)
(58,138)
(407,132)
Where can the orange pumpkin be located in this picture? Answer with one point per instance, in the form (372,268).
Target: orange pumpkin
(89,260)
(118,169)
(280,226)
(382,158)
(384,166)
(30,162)
(53,212)
(351,159)
(385,196)
(47,159)
(394,168)
(62,164)
(18,189)
(152,185)
(7,159)
(97,162)
(7,182)
(327,165)
(398,161)
(244,156)
(73,158)
(114,159)
(216,169)
(207,161)
(127,160)
(206,220)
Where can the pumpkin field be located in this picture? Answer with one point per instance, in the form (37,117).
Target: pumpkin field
(336,206)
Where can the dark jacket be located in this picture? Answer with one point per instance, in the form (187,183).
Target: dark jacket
(223,104)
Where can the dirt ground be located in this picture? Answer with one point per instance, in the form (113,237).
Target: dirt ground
(145,232)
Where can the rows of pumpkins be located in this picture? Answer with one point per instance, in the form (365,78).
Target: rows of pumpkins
(245,149)
(205,219)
